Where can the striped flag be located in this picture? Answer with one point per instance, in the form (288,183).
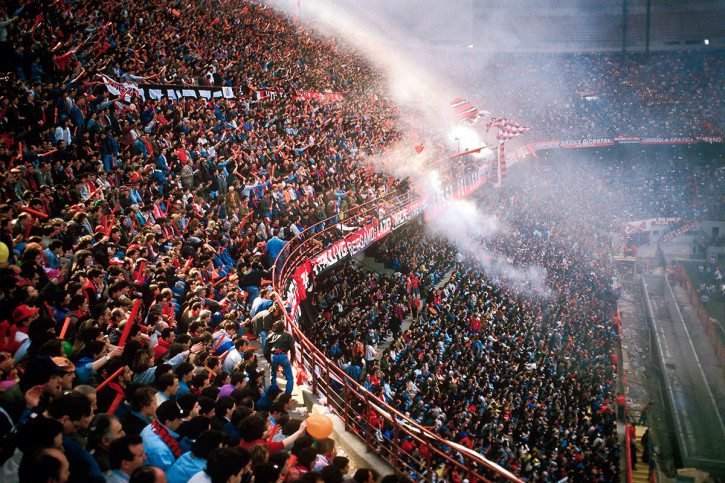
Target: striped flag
(500,167)
(506,129)
(464,111)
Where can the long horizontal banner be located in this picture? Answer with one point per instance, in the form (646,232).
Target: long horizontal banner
(602,142)
(374,230)
(160,91)
(330,96)
(647,225)
(356,242)
(126,90)
(667,237)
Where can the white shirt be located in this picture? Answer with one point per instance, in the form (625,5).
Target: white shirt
(63,134)
(370,353)
(231,360)
(200,477)
(9,471)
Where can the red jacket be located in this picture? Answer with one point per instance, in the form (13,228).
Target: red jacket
(160,349)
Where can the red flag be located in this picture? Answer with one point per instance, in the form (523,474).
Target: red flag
(464,110)
(419,148)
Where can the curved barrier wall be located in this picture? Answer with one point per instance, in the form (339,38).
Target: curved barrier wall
(319,248)
(532,148)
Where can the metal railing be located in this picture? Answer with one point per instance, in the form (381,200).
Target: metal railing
(410,448)
(711,326)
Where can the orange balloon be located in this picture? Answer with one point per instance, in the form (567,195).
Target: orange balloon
(319,426)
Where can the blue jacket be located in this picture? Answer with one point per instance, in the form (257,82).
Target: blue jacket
(274,247)
(158,452)
(184,468)
(149,375)
(82,465)
(52,259)
(84,370)
(76,116)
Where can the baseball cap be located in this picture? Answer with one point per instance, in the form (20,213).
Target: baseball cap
(168,411)
(22,312)
(39,370)
(64,364)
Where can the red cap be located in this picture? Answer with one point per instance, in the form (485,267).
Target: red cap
(22,312)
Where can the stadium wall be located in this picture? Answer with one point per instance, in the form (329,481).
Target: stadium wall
(586,25)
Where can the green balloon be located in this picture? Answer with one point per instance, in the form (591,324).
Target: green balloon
(67,348)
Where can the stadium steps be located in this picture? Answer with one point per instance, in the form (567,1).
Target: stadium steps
(641,474)
(408,320)
(368,264)
(307,402)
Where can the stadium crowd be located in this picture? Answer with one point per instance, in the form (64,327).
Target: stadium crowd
(137,237)
(539,401)
(595,96)
(683,182)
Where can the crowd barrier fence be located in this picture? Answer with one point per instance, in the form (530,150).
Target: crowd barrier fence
(318,248)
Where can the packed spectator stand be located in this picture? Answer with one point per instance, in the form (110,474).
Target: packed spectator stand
(593,96)
(541,389)
(139,237)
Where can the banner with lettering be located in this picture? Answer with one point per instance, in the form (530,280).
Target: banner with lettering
(358,241)
(266,93)
(124,90)
(646,225)
(603,142)
(157,91)
(161,91)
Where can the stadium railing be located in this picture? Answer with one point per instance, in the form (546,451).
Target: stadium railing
(383,428)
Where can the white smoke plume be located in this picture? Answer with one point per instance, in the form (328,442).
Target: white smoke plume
(423,49)
(467,227)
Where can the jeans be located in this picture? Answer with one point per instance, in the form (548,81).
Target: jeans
(253,292)
(263,340)
(282,360)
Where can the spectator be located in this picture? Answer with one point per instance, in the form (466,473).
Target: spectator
(73,410)
(365,475)
(254,430)
(104,429)
(195,461)
(143,411)
(126,454)
(159,437)
(224,463)
(147,474)
(36,434)
(48,464)
(279,344)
